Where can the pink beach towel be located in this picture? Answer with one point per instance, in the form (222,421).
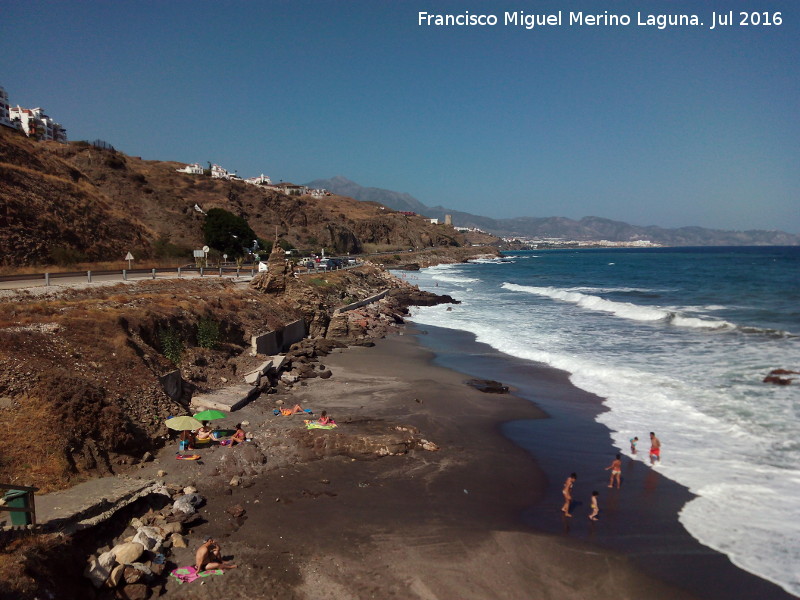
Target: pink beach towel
(190,574)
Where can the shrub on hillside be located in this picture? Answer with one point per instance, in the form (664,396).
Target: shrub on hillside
(227,232)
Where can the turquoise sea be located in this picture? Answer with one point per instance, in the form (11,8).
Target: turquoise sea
(676,341)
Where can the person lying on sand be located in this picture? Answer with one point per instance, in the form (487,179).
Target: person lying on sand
(209,556)
(291,411)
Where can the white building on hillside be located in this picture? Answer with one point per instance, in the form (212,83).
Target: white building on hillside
(260,180)
(193,169)
(5,115)
(218,172)
(38,125)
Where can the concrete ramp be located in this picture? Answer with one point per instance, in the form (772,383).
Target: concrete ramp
(226,399)
(90,502)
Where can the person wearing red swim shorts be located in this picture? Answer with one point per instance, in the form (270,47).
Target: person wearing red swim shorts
(655,449)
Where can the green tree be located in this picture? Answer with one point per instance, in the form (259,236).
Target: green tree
(227,233)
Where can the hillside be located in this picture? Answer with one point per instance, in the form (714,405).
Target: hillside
(586,229)
(68,203)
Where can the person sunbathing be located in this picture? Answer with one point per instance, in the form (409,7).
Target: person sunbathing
(209,556)
(292,411)
(239,436)
(324,419)
(204,433)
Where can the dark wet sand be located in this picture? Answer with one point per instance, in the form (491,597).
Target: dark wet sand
(639,520)
(429,525)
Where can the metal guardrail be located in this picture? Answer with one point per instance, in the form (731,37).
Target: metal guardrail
(219,271)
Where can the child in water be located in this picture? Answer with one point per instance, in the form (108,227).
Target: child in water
(595,507)
(633,441)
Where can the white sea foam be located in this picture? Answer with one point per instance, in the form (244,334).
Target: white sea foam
(726,436)
(625,310)
(457,279)
(611,290)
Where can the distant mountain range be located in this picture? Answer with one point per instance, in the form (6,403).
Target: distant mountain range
(587,229)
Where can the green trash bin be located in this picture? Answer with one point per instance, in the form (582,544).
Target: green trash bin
(18,499)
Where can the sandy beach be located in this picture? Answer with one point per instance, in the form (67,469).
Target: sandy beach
(430,525)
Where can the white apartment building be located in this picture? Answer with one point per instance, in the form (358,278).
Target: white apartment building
(38,125)
(193,169)
(5,115)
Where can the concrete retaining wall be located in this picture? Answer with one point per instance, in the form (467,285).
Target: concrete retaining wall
(361,303)
(275,342)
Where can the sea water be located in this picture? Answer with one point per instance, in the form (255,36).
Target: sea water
(676,341)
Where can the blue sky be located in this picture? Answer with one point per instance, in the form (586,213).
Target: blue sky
(673,127)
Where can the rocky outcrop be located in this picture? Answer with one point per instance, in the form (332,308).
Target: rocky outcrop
(488,386)
(279,271)
(774,376)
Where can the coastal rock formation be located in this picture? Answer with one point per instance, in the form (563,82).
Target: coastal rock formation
(488,386)
(412,296)
(774,376)
(279,270)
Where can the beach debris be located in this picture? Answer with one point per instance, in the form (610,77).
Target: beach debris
(235,481)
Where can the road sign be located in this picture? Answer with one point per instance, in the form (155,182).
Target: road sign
(206,249)
(129,258)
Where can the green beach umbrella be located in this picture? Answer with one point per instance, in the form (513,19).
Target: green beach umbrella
(183,423)
(210,415)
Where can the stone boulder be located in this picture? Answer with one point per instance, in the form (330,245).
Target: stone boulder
(488,386)
(187,503)
(99,568)
(149,537)
(128,552)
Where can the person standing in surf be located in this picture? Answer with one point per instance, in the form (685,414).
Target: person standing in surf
(595,506)
(655,449)
(567,492)
(616,472)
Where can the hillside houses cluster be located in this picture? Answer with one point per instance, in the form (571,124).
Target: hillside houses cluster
(290,189)
(33,121)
